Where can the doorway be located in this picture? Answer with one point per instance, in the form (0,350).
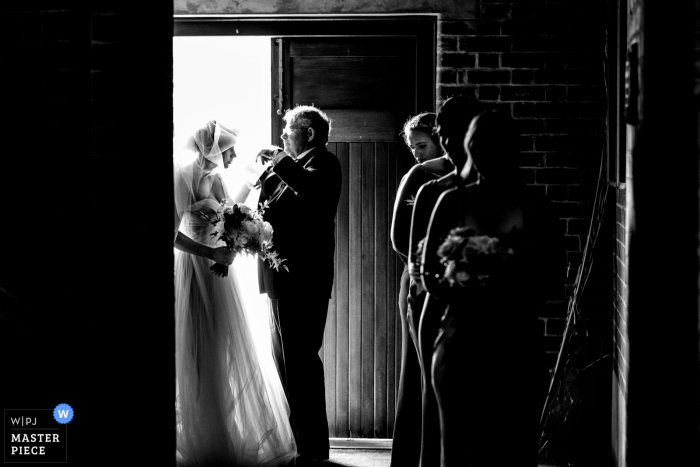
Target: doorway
(369,83)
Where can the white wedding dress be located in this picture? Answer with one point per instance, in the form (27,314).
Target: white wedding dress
(231,410)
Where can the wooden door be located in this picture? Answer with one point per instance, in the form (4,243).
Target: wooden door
(367,86)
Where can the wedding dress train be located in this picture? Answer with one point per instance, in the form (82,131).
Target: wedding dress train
(231,409)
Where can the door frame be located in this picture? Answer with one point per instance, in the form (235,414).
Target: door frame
(421,28)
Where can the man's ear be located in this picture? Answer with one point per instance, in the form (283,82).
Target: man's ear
(312,133)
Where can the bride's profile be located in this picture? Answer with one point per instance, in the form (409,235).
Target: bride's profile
(230,409)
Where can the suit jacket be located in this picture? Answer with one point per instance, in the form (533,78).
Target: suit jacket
(303,197)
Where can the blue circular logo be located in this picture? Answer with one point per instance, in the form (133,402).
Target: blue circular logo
(63,413)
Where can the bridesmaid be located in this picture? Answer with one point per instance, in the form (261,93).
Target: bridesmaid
(452,123)
(489,373)
(419,135)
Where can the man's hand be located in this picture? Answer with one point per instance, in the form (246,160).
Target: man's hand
(223,255)
(279,156)
(265,155)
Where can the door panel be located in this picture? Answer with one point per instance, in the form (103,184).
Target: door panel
(367,87)
(357,125)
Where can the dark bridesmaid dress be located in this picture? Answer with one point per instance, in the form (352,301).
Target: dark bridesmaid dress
(489,372)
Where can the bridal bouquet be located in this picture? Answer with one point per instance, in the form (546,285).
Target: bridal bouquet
(244,230)
(471,259)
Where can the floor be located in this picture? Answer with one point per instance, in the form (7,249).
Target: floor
(382,457)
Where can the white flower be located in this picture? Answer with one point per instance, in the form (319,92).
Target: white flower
(245,209)
(251,227)
(266,232)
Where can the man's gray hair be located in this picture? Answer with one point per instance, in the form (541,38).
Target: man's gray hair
(308,116)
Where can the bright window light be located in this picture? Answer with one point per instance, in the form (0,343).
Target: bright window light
(228,79)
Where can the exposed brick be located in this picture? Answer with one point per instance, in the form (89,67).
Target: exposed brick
(522,93)
(539,44)
(555,326)
(458,28)
(523,76)
(558,110)
(584,60)
(488,77)
(489,93)
(447,76)
(485,44)
(536,191)
(574,258)
(576,227)
(555,60)
(566,143)
(572,160)
(531,28)
(448,43)
(557,192)
(489,28)
(522,60)
(572,242)
(525,143)
(488,60)
(585,93)
(574,127)
(557,176)
(458,60)
(495,11)
(599,327)
(555,93)
(589,177)
(528,176)
(569,76)
(529,126)
(551,360)
(450,91)
(530,159)
(552,343)
(562,226)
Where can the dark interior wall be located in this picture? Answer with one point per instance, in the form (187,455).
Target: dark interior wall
(87,312)
(662,324)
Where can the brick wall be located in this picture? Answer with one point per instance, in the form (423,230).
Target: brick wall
(543,63)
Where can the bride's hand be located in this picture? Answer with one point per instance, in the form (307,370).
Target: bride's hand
(223,255)
(207,214)
(414,272)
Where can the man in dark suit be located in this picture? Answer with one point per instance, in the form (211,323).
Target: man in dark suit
(302,187)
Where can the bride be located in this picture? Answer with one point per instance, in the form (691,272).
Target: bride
(230,409)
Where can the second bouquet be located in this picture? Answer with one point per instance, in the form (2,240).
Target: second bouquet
(244,231)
